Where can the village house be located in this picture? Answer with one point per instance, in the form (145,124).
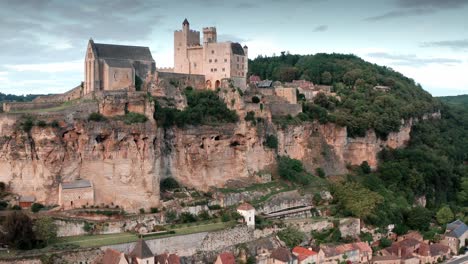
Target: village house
(359,252)
(76,194)
(112,256)
(166,258)
(141,254)
(282,256)
(26,201)
(455,236)
(305,256)
(264,247)
(413,251)
(215,60)
(225,258)
(248,213)
(385,260)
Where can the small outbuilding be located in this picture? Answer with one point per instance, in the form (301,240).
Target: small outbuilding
(26,201)
(248,212)
(76,194)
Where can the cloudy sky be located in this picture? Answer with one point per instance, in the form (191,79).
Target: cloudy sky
(43,42)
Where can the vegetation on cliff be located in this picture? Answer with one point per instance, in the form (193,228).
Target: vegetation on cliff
(360,107)
(203,108)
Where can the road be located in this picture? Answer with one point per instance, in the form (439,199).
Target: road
(460,260)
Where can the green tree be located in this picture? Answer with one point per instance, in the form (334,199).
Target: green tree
(291,236)
(357,199)
(444,215)
(419,218)
(271,142)
(45,230)
(365,168)
(293,170)
(326,78)
(19,233)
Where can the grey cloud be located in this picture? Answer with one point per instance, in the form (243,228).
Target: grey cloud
(441,4)
(233,38)
(407,8)
(246,5)
(401,13)
(412,60)
(461,44)
(321,28)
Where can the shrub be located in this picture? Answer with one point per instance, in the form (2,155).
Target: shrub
(365,168)
(320,172)
(293,170)
(250,116)
(168,184)
(36,207)
(27,124)
(225,217)
(187,217)
(214,207)
(204,215)
(154,210)
(87,227)
(132,118)
(16,207)
(2,187)
(271,142)
(41,123)
(142,210)
(54,124)
(255,99)
(291,236)
(3,205)
(97,117)
(171,216)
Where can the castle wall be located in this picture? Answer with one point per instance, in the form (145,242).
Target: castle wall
(184,80)
(23,106)
(284,109)
(289,94)
(73,94)
(118,78)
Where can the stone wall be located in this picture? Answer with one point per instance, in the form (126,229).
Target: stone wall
(183,80)
(284,109)
(23,106)
(82,256)
(73,94)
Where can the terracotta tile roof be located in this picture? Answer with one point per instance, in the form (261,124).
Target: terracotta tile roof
(282,254)
(111,256)
(424,249)
(161,258)
(438,249)
(303,253)
(363,247)
(141,250)
(227,258)
(173,259)
(245,207)
(409,242)
(383,258)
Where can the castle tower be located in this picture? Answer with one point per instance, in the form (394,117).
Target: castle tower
(183,40)
(209,35)
(92,80)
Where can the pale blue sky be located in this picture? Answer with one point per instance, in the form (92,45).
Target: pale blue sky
(43,41)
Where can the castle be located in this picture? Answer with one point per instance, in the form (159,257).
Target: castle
(215,60)
(117,67)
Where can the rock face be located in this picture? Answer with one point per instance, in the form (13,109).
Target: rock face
(126,162)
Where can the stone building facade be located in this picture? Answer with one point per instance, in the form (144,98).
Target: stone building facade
(116,67)
(76,194)
(215,60)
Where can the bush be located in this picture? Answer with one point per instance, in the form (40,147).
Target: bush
(226,217)
(291,236)
(97,117)
(292,170)
(19,233)
(27,123)
(36,207)
(54,124)
(320,172)
(3,205)
(171,216)
(365,168)
(2,187)
(87,227)
(250,117)
(204,215)
(132,118)
(255,99)
(168,184)
(214,207)
(385,242)
(142,210)
(41,123)
(271,142)
(154,210)
(187,217)
(16,207)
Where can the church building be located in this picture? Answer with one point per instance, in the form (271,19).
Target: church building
(116,67)
(215,60)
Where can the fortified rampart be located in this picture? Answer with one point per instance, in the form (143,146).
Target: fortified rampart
(25,106)
(73,94)
(197,81)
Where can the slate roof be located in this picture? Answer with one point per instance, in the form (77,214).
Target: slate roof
(237,49)
(141,250)
(27,199)
(456,229)
(185,22)
(264,84)
(76,184)
(118,63)
(122,52)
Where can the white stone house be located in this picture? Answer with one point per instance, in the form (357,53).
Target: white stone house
(248,212)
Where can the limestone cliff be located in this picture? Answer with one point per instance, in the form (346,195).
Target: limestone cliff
(126,162)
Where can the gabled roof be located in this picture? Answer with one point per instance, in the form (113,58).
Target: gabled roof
(141,250)
(282,254)
(121,52)
(264,84)
(227,258)
(111,256)
(76,184)
(456,229)
(303,253)
(438,249)
(245,207)
(27,199)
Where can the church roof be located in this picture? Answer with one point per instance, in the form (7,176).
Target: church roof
(237,49)
(122,52)
(76,184)
(118,63)
(185,22)
(141,250)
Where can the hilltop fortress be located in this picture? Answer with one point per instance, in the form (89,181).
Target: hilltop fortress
(82,148)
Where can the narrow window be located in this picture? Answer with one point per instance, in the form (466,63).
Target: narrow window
(216,60)
(209,60)
(225,60)
(212,51)
(224,69)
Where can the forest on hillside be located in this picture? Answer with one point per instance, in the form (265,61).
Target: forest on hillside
(431,171)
